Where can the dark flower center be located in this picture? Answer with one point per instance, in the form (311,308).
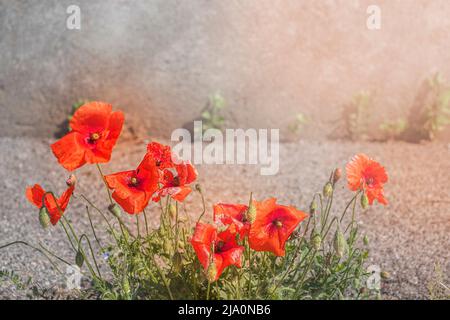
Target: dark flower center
(219,246)
(370,181)
(176,181)
(134,181)
(277,223)
(93,137)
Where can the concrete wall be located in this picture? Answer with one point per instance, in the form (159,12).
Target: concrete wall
(159,60)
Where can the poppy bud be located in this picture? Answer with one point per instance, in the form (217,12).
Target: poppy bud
(44,217)
(340,244)
(364,201)
(172,211)
(79,259)
(177,262)
(71,181)
(366,240)
(115,210)
(211,272)
(198,187)
(313,207)
(166,246)
(316,240)
(251,213)
(337,174)
(126,286)
(385,275)
(328,189)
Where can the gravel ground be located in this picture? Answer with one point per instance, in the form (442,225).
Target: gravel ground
(407,238)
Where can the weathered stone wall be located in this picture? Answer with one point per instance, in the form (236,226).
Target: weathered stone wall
(159,60)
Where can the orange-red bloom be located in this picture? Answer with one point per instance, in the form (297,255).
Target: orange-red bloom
(273,225)
(133,189)
(35,195)
(366,174)
(234,216)
(161,154)
(95,129)
(226,251)
(175,181)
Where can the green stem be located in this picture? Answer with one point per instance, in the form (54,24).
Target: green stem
(204,205)
(84,236)
(93,229)
(138,226)
(348,205)
(111,229)
(166,284)
(145,221)
(38,250)
(68,236)
(105,183)
(207,291)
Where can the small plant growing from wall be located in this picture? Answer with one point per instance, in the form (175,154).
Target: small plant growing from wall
(430,113)
(211,116)
(393,130)
(355,115)
(298,123)
(437,112)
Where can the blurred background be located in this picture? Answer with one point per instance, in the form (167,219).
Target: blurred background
(270,60)
(314,69)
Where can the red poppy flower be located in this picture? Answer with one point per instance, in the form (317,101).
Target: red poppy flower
(133,189)
(175,181)
(95,129)
(35,195)
(161,154)
(234,216)
(273,226)
(366,174)
(226,250)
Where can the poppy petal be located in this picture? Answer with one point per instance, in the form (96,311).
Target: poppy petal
(91,117)
(69,151)
(34,195)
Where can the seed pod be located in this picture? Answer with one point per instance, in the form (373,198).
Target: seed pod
(126,286)
(313,207)
(172,211)
(211,272)
(251,213)
(327,190)
(316,240)
(364,201)
(337,174)
(115,210)
(177,262)
(198,187)
(366,240)
(340,244)
(79,258)
(385,275)
(71,181)
(167,246)
(44,217)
